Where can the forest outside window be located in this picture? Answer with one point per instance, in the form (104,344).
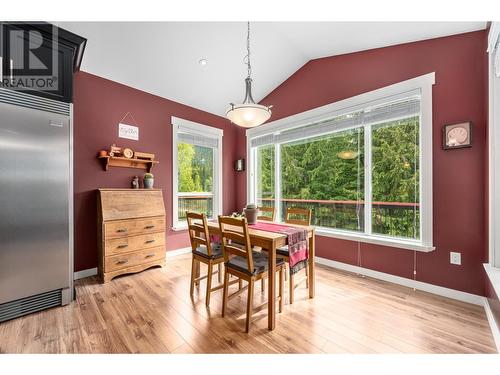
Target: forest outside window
(197,150)
(359,170)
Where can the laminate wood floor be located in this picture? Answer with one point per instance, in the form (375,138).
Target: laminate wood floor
(152,312)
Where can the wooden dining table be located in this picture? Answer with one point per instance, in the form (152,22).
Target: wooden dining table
(271,241)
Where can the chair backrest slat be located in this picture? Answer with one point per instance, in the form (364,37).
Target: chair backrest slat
(304,216)
(268,210)
(236,230)
(196,228)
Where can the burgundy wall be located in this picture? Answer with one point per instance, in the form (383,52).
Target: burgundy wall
(459,175)
(99,105)
(241,180)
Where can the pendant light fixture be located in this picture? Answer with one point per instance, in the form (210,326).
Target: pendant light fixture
(248,114)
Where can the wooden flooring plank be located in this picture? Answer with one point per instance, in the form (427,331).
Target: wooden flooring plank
(153,312)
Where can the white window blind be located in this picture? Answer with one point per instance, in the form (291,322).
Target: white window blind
(391,111)
(198,140)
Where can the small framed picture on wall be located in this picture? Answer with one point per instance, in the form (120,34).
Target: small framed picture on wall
(457,135)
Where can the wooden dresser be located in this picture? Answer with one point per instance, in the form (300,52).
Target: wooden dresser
(131,231)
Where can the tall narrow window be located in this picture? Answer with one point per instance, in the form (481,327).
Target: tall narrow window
(197,167)
(195,179)
(265,176)
(395,178)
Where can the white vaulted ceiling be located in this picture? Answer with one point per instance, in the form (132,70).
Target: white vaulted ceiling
(162,58)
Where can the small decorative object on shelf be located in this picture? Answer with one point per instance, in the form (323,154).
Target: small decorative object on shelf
(251,213)
(128,153)
(144,155)
(103,153)
(148,180)
(457,135)
(114,150)
(135,182)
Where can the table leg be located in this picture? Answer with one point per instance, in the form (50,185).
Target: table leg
(271,295)
(311,265)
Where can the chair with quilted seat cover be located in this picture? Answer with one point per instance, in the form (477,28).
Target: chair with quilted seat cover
(241,261)
(204,251)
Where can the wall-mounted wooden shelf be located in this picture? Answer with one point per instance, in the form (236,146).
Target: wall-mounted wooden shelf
(118,161)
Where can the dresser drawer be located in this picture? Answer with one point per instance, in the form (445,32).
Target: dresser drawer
(123,228)
(121,261)
(133,243)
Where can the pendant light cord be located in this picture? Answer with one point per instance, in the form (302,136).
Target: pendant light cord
(247,57)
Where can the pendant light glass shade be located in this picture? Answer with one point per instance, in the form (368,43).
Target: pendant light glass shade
(248,114)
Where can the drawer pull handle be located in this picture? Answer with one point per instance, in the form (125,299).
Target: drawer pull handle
(121,230)
(150,255)
(150,241)
(122,261)
(149,227)
(122,246)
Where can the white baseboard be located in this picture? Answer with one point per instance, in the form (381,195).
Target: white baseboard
(426,287)
(174,253)
(85,273)
(493,324)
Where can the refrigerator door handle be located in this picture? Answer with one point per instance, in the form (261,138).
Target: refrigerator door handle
(11,66)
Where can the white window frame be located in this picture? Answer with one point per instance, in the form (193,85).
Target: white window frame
(180,125)
(493,266)
(423,85)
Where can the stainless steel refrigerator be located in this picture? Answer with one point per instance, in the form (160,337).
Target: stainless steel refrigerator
(36,225)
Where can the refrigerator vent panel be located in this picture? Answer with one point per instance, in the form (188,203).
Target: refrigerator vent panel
(34,102)
(28,305)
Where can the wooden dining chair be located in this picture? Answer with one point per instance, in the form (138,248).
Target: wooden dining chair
(204,251)
(244,263)
(296,216)
(269,213)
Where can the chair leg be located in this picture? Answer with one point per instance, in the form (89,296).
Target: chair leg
(240,284)
(209,284)
(286,271)
(225,293)
(219,275)
(291,288)
(262,285)
(249,304)
(193,275)
(307,276)
(281,289)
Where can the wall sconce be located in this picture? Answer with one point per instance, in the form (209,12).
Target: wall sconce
(239,165)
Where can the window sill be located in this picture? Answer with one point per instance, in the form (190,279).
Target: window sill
(494,276)
(180,227)
(377,240)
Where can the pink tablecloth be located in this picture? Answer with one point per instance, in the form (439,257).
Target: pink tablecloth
(298,243)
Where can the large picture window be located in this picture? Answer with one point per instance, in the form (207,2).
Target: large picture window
(197,150)
(358,168)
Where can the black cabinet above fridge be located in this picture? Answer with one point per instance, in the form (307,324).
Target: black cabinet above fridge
(39,58)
